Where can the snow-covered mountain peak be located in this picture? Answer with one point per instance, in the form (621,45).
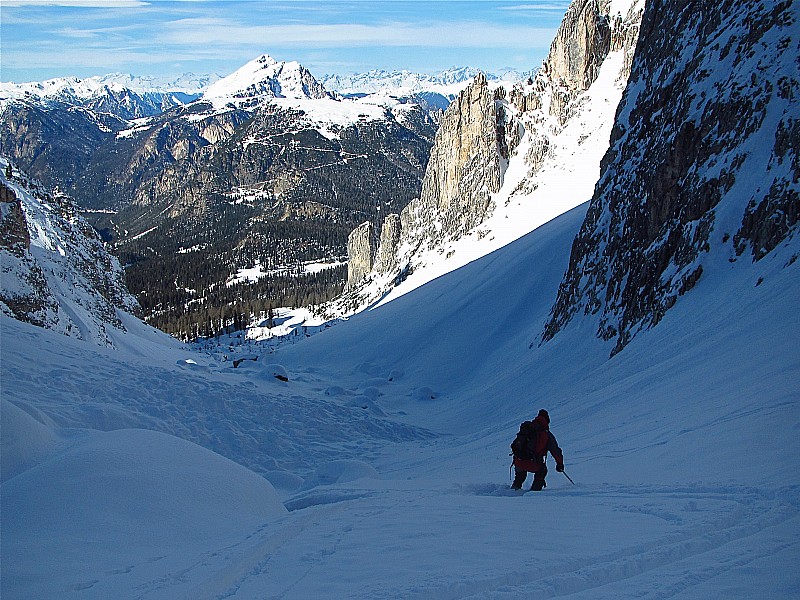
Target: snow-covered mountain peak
(87,88)
(186,83)
(264,77)
(65,88)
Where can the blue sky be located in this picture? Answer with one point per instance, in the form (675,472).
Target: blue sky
(42,39)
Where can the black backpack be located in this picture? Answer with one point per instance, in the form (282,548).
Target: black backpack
(525,442)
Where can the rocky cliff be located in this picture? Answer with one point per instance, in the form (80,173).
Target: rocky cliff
(369,253)
(56,272)
(577,52)
(481,133)
(702,170)
(464,167)
(361,250)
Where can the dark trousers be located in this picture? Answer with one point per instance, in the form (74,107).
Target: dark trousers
(538,478)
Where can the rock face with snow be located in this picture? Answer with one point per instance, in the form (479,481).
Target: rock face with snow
(577,52)
(703,166)
(482,129)
(464,167)
(588,33)
(463,170)
(475,136)
(56,271)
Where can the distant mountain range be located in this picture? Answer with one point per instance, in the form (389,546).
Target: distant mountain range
(264,167)
(447,82)
(124,96)
(135,96)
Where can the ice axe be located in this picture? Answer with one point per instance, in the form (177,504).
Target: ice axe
(568,477)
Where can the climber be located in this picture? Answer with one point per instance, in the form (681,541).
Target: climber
(530,448)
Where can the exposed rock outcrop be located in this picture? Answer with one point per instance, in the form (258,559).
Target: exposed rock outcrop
(366,253)
(482,129)
(577,52)
(56,272)
(14,236)
(25,294)
(463,169)
(361,250)
(688,160)
(388,244)
(477,133)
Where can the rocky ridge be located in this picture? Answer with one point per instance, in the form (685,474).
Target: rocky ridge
(479,134)
(463,170)
(703,167)
(56,271)
(101,95)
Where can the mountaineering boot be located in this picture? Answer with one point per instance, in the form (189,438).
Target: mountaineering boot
(538,485)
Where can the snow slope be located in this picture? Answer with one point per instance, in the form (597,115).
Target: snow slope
(388,446)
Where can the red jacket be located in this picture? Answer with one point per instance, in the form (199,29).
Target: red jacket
(538,448)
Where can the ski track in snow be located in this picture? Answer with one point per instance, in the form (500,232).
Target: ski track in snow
(747,514)
(721,529)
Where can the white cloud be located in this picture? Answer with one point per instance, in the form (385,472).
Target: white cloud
(79,3)
(467,34)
